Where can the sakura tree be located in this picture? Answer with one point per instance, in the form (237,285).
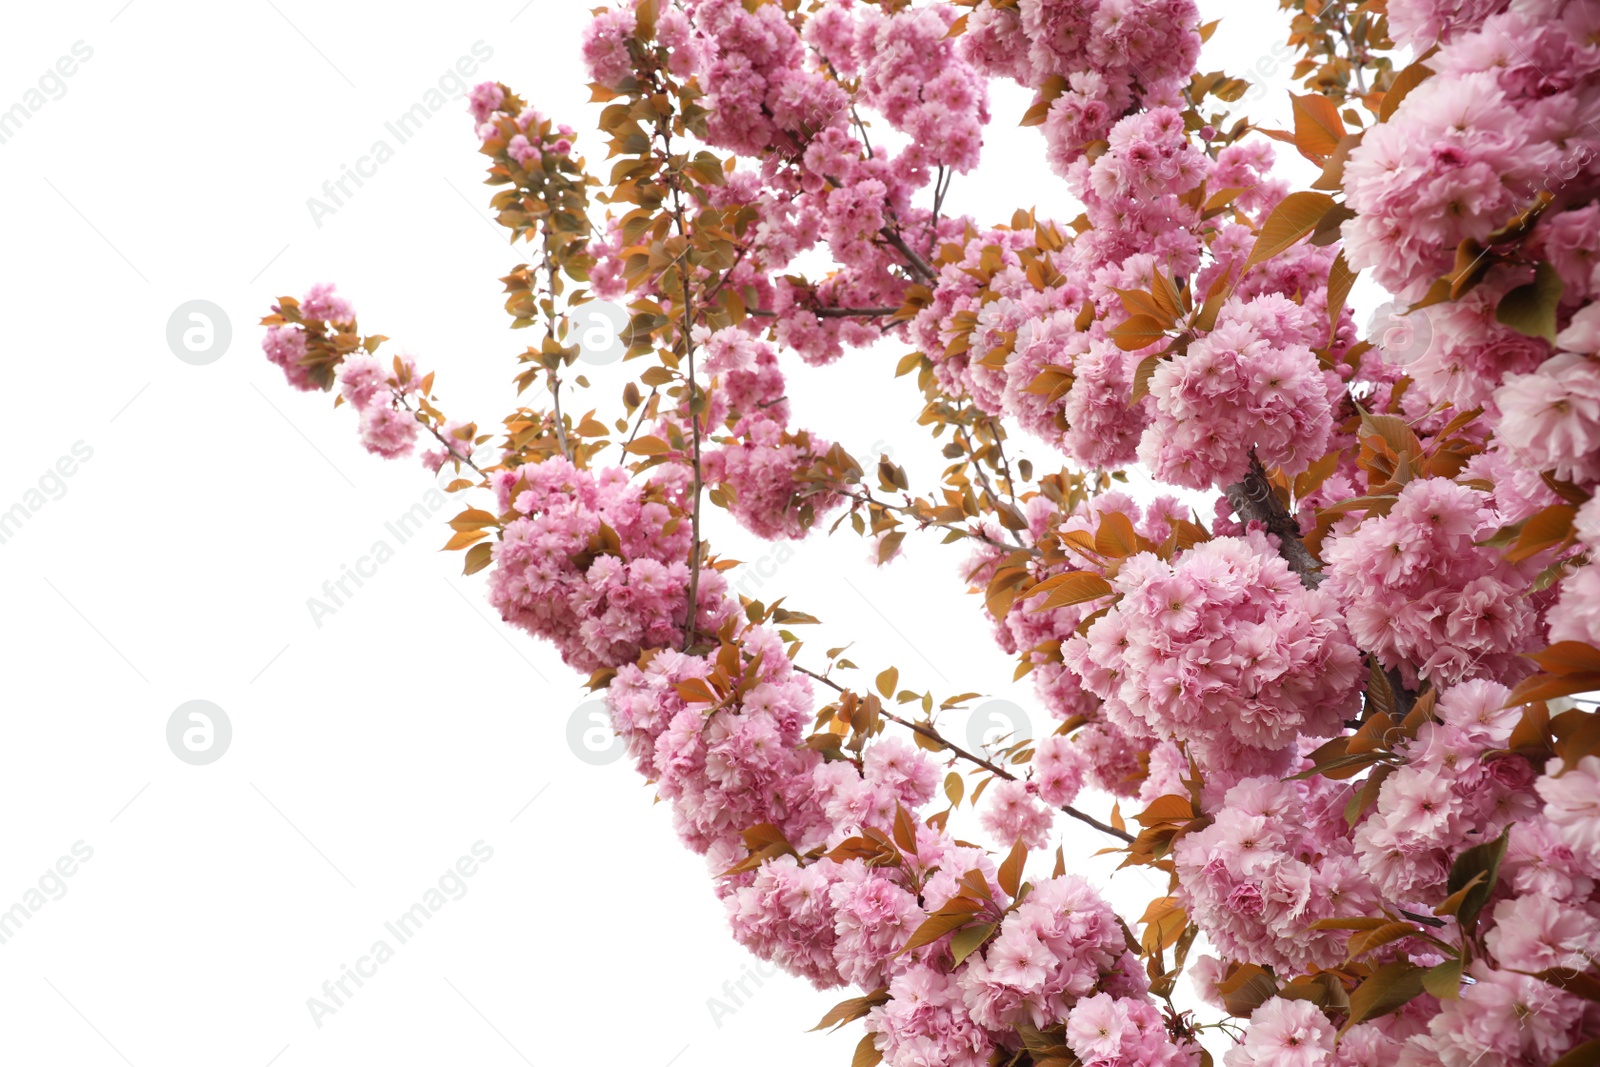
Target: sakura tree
(1338,708)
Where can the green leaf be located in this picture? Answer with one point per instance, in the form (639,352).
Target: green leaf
(1389,988)
(478,557)
(969,940)
(1141,378)
(867,1054)
(954,788)
(1478,860)
(1138,332)
(1011,869)
(937,925)
(1444,980)
(1318,129)
(1341,279)
(1074,587)
(1407,80)
(1531,309)
(854,1008)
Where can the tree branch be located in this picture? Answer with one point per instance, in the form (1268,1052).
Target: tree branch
(1253,500)
(999,772)
(918,265)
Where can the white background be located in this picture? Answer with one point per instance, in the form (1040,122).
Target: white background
(370,752)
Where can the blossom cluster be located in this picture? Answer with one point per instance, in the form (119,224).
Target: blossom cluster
(1250,384)
(1496,141)
(287,346)
(1277,859)
(532,136)
(1114,56)
(1220,663)
(597,563)
(1222,648)
(1419,593)
(759,462)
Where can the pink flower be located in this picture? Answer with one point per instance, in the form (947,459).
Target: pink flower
(1572,804)
(1010,814)
(1552,416)
(388,432)
(363,380)
(1249,384)
(1535,933)
(605,46)
(1223,648)
(1285,1033)
(1058,767)
(322,303)
(286,347)
(484,100)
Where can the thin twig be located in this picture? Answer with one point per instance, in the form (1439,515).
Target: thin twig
(999,772)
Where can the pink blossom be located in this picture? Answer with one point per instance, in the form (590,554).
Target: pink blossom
(1285,1033)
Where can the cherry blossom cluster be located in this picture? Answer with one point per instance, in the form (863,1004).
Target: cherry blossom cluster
(1498,141)
(1262,882)
(1222,648)
(758,463)
(1250,384)
(1060,956)
(1277,859)
(1099,754)
(596,563)
(1576,615)
(287,346)
(911,72)
(1219,666)
(1472,147)
(1551,417)
(1114,56)
(1450,791)
(995,334)
(379,391)
(1419,593)
(527,135)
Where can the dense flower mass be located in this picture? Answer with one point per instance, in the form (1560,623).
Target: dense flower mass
(760,463)
(1338,689)
(596,563)
(1277,859)
(1250,384)
(1422,596)
(1114,56)
(1224,650)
